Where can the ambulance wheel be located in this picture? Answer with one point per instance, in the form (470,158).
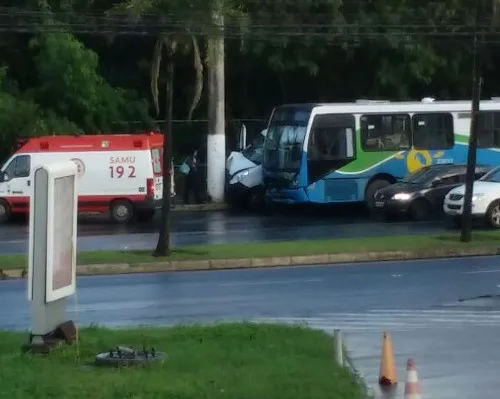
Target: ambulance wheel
(4,211)
(121,211)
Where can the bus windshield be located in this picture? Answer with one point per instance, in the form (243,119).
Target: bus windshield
(285,138)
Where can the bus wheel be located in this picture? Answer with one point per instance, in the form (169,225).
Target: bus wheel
(4,211)
(121,211)
(420,210)
(372,188)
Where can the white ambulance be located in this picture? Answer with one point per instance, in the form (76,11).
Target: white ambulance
(120,174)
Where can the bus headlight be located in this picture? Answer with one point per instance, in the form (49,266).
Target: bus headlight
(239,176)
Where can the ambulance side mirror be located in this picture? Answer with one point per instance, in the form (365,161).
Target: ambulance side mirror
(3,177)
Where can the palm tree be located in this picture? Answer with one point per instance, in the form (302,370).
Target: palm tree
(167,47)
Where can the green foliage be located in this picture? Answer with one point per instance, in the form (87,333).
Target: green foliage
(68,94)
(239,360)
(300,48)
(55,82)
(169,46)
(71,85)
(20,116)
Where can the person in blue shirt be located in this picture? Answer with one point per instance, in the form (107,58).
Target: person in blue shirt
(192,182)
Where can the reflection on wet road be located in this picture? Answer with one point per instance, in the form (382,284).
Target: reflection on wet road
(219,227)
(452,342)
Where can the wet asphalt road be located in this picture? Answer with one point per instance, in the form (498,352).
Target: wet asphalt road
(219,227)
(455,344)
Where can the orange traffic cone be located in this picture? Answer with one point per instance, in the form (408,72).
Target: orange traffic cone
(412,387)
(388,374)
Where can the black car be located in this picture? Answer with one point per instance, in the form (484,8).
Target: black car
(422,193)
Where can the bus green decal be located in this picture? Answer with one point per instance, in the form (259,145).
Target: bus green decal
(415,159)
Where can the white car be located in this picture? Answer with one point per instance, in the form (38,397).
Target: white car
(485,199)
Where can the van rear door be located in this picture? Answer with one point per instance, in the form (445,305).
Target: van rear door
(157,161)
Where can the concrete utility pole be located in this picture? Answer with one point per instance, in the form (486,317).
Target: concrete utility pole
(216,138)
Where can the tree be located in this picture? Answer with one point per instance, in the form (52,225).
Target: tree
(70,85)
(20,116)
(166,48)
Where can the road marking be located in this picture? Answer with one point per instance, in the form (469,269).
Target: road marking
(14,242)
(395,320)
(269,282)
(483,271)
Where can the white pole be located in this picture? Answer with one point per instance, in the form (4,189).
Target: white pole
(216,138)
(339,350)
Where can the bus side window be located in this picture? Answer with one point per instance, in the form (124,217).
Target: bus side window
(433,131)
(332,138)
(488,130)
(385,132)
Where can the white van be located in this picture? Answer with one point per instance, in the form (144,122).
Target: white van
(119,174)
(244,180)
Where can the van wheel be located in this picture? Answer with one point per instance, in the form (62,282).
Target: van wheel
(493,215)
(372,188)
(4,211)
(420,210)
(121,211)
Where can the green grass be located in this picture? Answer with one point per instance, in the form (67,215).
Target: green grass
(280,248)
(231,361)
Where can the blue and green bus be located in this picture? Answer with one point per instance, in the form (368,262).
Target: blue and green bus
(345,152)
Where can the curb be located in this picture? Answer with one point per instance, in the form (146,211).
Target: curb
(358,378)
(199,208)
(252,263)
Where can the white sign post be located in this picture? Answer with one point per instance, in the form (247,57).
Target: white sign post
(52,253)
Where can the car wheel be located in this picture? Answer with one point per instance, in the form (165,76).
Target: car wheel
(420,209)
(121,211)
(372,188)
(493,215)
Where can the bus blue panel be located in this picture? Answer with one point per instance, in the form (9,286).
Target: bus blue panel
(341,187)
(287,196)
